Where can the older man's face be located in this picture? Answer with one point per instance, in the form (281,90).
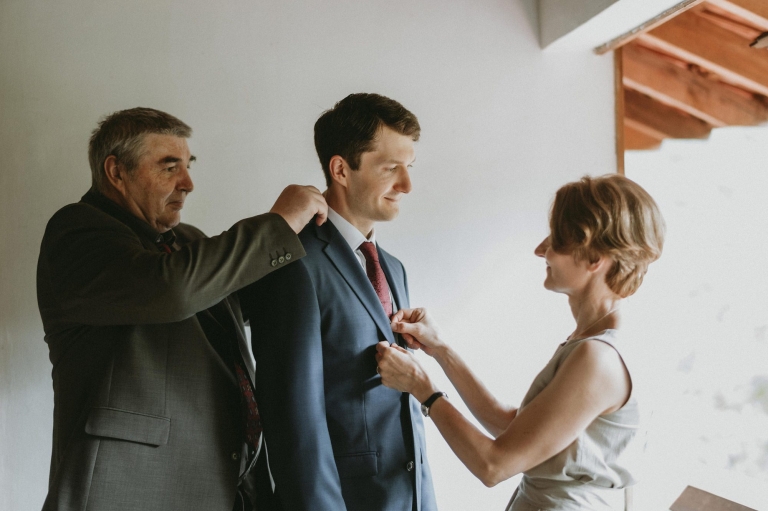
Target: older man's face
(155,191)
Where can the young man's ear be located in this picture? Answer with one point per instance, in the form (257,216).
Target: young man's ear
(339,170)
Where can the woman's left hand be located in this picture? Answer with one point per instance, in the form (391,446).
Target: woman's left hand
(400,370)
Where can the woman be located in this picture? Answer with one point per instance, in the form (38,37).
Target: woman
(580,414)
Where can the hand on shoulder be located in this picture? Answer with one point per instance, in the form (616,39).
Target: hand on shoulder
(298,204)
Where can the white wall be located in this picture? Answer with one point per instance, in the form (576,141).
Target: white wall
(503,126)
(700,322)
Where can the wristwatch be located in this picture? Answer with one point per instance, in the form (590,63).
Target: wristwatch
(430,401)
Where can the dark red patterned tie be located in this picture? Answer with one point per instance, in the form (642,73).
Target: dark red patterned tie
(250,410)
(376,275)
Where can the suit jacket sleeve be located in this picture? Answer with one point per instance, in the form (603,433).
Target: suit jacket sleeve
(95,270)
(286,336)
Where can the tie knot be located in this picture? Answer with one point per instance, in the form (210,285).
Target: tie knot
(369,251)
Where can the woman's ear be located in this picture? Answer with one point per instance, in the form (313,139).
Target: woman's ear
(603,263)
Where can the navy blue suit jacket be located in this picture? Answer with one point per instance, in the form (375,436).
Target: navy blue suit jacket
(337,438)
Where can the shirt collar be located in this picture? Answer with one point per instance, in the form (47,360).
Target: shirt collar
(349,232)
(140,227)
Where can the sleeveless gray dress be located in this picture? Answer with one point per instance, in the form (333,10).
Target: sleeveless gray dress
(591,473)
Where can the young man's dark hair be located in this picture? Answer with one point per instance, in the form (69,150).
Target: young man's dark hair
(350,127)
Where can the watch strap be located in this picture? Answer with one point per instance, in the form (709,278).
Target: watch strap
(434,397)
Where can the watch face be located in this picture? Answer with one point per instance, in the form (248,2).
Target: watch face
(424,411)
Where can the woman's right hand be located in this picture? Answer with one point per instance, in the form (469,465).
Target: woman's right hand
(418,329)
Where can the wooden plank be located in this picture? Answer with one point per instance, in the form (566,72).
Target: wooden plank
(694,499)
(727,22)
(694,39)
(713,102)
(652,23)
(644,129)
(635,140)
(754,12)
(661,121)
(618,92)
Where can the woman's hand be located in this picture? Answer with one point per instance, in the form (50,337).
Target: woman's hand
(418,329)
(400,370)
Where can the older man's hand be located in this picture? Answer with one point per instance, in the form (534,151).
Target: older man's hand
(298,204)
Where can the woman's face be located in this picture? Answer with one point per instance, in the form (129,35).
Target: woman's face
(565,274)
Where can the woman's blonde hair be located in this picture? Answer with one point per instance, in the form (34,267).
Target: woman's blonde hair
(609,216)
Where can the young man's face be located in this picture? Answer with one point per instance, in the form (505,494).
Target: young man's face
(375,189)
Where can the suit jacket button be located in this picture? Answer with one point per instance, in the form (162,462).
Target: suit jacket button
(409,466)
(281,259)
(235,455)
(274,262)
(288,256)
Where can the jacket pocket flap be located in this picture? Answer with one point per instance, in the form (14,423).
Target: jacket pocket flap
(127,425)
(363,464)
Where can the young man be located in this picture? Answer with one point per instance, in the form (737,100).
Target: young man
(336,438)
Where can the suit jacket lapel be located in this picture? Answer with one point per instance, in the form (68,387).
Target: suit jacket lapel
(345,261)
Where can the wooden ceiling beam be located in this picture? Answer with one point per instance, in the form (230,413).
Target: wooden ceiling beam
(642,128)
(728,22)
(627,37)
(658,120)
(635,140)
(692,38)
(754,12)
(713,102)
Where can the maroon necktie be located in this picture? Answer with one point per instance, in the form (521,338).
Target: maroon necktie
(250,409)
(376,275)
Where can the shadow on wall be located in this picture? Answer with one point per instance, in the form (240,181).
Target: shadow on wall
(531,9)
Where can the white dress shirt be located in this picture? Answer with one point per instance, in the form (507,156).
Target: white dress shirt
(354,239)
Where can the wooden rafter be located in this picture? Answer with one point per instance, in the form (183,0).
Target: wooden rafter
(754,12)
(727,21)
(628,37)
(658,120)
(618,90)
(689,69)
(638,140)
(692,38)
(685,89)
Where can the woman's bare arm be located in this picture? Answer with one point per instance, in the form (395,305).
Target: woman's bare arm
(592,381)
(494,416)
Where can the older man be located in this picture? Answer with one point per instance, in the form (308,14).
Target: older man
(152,375)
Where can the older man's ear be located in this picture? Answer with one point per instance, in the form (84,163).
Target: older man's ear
(114,173)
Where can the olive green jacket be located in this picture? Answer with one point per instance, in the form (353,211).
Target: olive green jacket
(146,413)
